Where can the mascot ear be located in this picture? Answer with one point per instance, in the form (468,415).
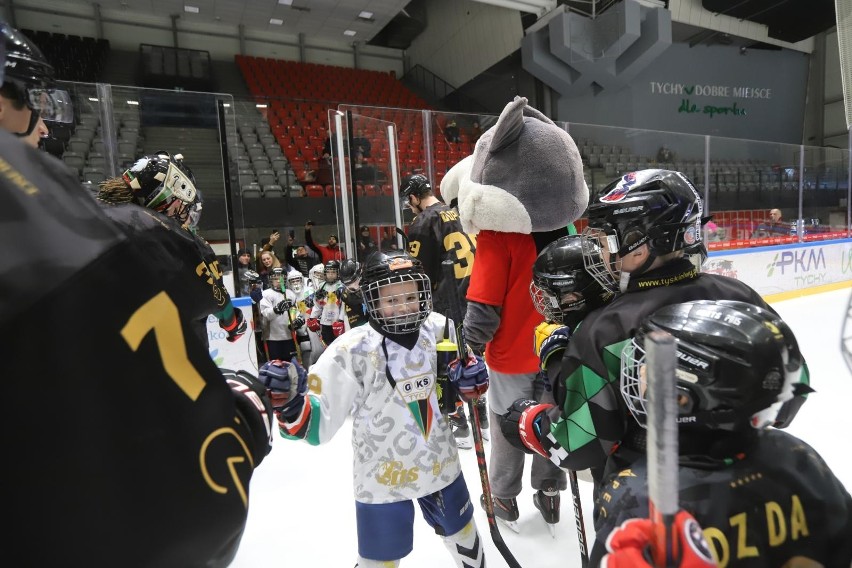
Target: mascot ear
(509,125)
(453,179)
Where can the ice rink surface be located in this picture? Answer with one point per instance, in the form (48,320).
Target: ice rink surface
(302,514)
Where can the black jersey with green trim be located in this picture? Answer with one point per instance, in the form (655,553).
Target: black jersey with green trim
(590,417)
(434,236)
(757,511)
(354,307)
(124,446)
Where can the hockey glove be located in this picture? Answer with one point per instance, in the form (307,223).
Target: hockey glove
(287,382)
(470,378)
(254,408)
(250,276)
(338,328)
(297,323)
(550,339)
(256,295)
(236,328)
(282,306)
(521,426)
(314,324)
(629,545)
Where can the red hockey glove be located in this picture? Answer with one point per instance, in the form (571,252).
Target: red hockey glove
(314,324)
(236,328)
(629,545)
(470,378)
(338,328)
(521,426)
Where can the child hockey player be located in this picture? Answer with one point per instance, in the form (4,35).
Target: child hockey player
(383,375)
(762,496)
(353,300)
(327,314)
(276,307)
(304,301)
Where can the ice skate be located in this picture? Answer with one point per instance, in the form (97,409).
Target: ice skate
(505,511)
(547,502)
(461,430)
(482,407)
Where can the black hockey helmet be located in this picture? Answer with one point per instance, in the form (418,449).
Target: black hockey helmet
(660,208)
(736,364)
(350,271)
(414,184)
(561,289)
(164,183)
(396,309)
(30,80)
(331,270)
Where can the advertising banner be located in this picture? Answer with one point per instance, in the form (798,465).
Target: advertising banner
(240,355)
(786,268)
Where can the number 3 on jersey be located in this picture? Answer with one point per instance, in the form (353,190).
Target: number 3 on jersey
(463,245)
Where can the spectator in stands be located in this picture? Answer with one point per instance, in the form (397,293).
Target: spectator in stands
(389,241)
(268,261)
(327,147)
(268,243)
(475,131)
(772,227)
(451,132)
(327,252)
(366,244)
(302,259)
(665,155)
(362,172)
(244,265)
(361,143)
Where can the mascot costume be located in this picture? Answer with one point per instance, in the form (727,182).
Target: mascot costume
(520,190)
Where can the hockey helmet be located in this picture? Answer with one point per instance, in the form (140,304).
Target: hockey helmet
(414,184)
(295,281)
(660,208)
(350,272)
(30,80)
(276,278)
(317,275)
(163,183)
(736,364)
(332,271)
(561,289)
(396,291)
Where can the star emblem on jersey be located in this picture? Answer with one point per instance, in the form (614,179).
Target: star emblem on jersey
(416,392)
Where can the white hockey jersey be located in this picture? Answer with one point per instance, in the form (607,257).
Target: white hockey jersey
(277,326)
(329,309)
(403,447)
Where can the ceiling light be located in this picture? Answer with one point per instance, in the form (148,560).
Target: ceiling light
(93,99)
(190,9)
(286,2)
(366,15)
(349,33)
(276,21)
(133,102)
(226,105)
(260,105)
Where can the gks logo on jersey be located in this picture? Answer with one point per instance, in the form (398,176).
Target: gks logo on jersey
(416,392)
(621,190)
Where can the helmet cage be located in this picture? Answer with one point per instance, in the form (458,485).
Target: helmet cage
(276,277)
(295,282)
(377,302)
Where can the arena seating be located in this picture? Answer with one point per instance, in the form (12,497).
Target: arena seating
(73,57)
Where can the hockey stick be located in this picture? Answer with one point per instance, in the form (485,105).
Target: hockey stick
(661,360)
(478,445)
(402,234)
(578,518)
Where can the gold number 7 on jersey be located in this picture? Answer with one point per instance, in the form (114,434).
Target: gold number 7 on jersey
(160,315)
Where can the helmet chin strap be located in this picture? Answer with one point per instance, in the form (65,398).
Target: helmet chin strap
(34,116)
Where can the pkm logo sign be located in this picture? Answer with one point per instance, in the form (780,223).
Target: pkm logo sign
(800,261)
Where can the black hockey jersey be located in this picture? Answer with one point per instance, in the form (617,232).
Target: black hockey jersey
(354,307)
(775,501)
(434,236)
(591,416)
(124,445)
